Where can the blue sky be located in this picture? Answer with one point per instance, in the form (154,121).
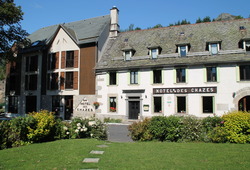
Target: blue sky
(141,13)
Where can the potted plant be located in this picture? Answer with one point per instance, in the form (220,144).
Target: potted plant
(96,104)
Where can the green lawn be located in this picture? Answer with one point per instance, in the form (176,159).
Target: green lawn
(69,154)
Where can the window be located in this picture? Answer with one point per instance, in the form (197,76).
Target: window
(112,104)
(181,75)
(181,104)
(31,63)
(154,53)
(207,104)
(214,48)
(127,55)
(247,45)
(157,77)
(70,59)
(245,72)
(211,74)
(157,104)
(134,77)
(69,80)
(31,82)
(52,61)
(52,81)
(112,78)
(13,104)
(183,51)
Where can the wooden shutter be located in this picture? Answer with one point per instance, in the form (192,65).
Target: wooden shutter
(76,58)
(57,60)
(75,80)
(63,59)
(62,81)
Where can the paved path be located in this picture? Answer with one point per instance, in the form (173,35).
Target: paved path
(118,133)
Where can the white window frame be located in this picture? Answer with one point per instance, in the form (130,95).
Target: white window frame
(127,55)
(179,50)
(151,53)
(210,48)
(245,44)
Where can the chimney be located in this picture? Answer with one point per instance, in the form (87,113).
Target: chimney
(114,26)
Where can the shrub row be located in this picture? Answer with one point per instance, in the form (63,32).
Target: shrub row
(233,127)
(44,126)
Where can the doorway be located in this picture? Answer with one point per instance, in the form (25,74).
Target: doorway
(68,107)
(244,104)
(134,109)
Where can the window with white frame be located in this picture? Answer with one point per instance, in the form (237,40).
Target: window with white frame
(133,77)
(181,104)
(247,45)
(70,59)
(211,74)
(112,104)
(214,48)
(157,76)
(207,104)
(112,78)
(154,53)
(69,80)
(183,49)
(127,55)
(158,104)
(180,75)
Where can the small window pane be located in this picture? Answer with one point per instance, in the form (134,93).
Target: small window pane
(183,51)
(157,76)
(69,80)
(112,104)
(127,55)
(70,59)
(211,74)
(134,77)
(154,53)
(214,49)
(181,75)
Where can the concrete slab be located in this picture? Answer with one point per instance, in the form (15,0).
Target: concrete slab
(97,152)
(91,160)
(102,146)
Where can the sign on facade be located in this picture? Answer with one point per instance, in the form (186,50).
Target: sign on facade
(185,90)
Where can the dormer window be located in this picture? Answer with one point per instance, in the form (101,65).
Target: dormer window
(183,49)
(154,51)
(128,52)
(246,45)
(214,47)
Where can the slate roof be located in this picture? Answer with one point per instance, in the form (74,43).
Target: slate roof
(196,36)
(83,31)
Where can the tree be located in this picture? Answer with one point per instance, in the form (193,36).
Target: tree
(11,31)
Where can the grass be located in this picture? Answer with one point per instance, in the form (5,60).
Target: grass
(69,154)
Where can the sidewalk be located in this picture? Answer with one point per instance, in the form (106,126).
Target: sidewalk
(118,132)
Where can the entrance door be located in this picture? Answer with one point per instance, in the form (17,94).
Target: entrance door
(244,104)
(134,109)
(68,107)
(30,104)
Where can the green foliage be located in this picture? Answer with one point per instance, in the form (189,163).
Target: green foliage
(238,17)
(110,120)
(237,125)
(139,131)
(182,22)
(165,128)
(11,30)
(191,129)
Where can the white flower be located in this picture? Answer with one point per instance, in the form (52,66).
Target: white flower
(91,134)
(78,124)
(85,129)
(78,127)
(81,130)
(65,128)
(91,123)
(67,133)
(77,130)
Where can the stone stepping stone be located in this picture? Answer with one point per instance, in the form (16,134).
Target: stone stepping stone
(91,160)
(97,152)
(102,146)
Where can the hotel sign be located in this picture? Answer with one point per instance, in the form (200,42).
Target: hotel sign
(185,90)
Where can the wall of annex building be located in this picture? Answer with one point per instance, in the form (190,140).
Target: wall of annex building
(227,84)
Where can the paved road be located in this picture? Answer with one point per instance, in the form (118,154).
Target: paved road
(118,133)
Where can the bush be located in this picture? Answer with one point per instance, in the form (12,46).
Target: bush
(237,126)
(191,129)
(209,123)
(139,131)
(165,128)
(44,128)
